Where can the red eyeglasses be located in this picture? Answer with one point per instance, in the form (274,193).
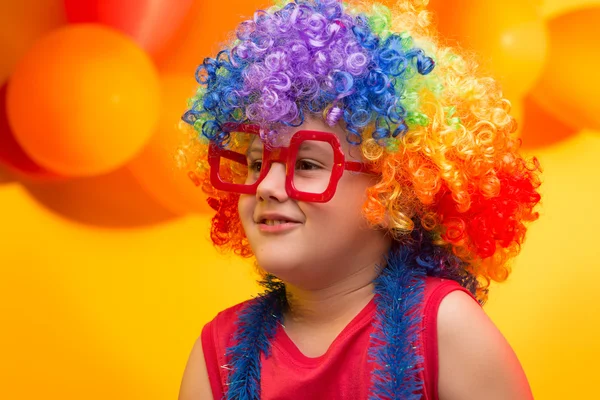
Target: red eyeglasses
(314,163)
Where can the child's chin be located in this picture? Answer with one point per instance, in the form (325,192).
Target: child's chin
(280,265)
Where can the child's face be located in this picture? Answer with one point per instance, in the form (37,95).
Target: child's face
(306,243)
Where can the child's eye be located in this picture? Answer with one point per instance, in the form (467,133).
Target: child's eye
(307,165)
(254,166)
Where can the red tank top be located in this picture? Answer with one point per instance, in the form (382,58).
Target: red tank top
(342,372)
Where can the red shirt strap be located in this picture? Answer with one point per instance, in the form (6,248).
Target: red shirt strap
(435,291)
(209,346)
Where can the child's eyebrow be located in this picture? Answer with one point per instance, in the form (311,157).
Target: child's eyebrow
(254,149)
(318,146)
(306,146)
(321,147)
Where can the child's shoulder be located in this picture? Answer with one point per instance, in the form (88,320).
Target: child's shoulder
(437,289)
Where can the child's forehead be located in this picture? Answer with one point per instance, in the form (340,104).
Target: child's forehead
(275,138)
(280,135)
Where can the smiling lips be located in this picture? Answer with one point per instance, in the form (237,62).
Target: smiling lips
(271,222)
(276,223)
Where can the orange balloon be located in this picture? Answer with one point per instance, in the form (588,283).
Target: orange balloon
(202,33)
(21,24)
(570,83)
(155,166)
(84,100)
(509,37)
(11,154)
(541,129)
(149,22)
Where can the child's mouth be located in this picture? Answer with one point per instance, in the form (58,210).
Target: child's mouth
(272,225)
(272,222)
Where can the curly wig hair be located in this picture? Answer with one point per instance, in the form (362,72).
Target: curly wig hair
(452,182)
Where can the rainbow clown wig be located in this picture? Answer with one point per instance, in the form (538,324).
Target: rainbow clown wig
(452,183)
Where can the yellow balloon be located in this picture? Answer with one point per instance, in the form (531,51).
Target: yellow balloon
(509,37)
(155,167)
(570,83)
(21,24)
(84,100)
(554,8)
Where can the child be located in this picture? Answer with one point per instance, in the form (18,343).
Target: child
(373,176)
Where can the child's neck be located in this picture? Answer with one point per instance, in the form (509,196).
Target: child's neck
(316,317)
(332,305)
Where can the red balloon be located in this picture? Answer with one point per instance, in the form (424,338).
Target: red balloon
(11,153)
(151,23)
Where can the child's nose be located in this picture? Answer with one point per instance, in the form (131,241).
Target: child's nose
(272,187)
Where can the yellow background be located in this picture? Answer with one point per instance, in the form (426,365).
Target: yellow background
(96,302)
(103,292)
